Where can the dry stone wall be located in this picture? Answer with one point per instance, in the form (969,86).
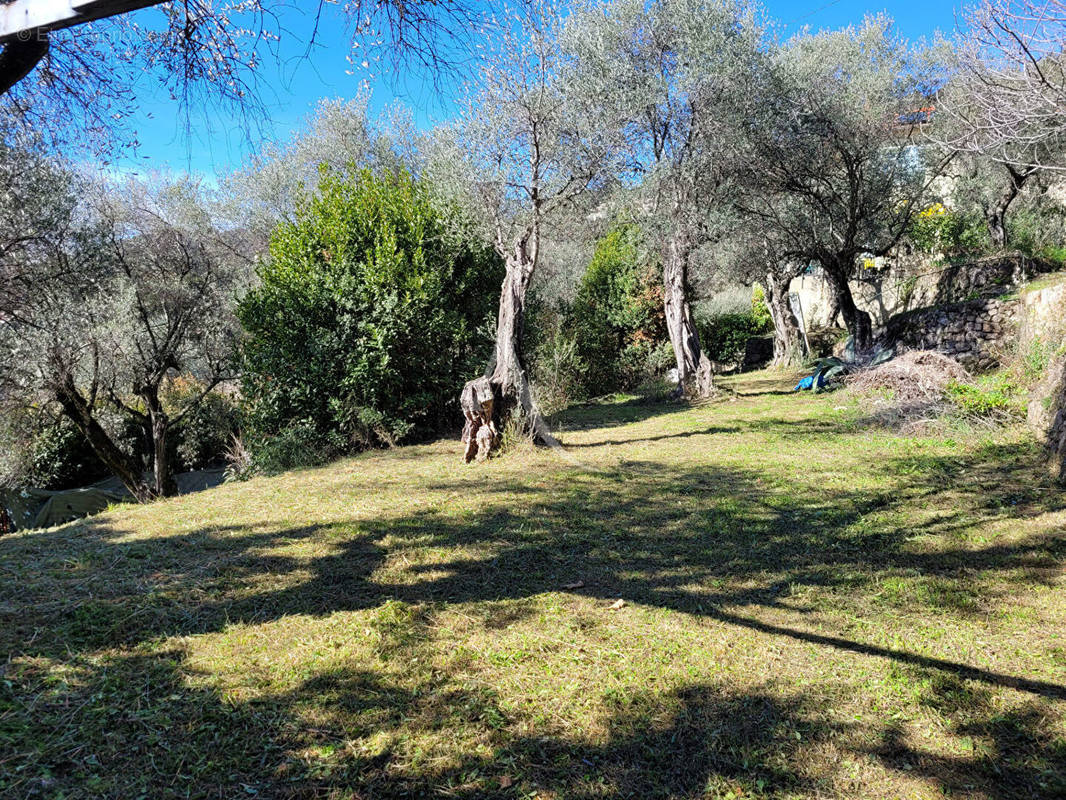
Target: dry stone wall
(907,282)
(976,333)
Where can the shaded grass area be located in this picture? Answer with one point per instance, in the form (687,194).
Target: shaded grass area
(811,608)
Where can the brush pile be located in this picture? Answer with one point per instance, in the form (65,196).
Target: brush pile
(910,389)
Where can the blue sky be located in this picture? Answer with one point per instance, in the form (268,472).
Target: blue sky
(292,84)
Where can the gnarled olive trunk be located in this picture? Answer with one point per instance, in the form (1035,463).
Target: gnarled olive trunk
(509,374)
(996,213)
(856,320)
(77,409)
(509,382)
(788,337)
(695,374)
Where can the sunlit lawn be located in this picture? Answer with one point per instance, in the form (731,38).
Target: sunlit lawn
(811,608)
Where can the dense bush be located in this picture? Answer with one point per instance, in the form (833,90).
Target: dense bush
(300,444)
(1038,232)
(724,335)
(949,233)
(617,315)
(559,372)
(204,435)
(365,324)
(40,451)
(61,458)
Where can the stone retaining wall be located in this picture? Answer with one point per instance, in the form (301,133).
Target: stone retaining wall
(976,333)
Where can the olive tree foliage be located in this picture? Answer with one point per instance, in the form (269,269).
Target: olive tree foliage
(338,135)
(669,80)
(209,54)
(122,290)
(1006,101)
(834,176)
(990,188)
(523,154)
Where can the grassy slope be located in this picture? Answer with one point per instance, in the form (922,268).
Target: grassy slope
(813,608)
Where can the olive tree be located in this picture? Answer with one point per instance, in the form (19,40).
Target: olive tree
(337,136)
(528,155)
(121,291)
(835,171)
(669,80)
(758,258)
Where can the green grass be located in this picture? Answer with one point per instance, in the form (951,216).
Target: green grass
(812,609)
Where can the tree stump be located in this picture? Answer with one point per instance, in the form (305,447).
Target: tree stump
(479,433)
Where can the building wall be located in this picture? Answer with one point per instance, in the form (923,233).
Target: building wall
(908,283)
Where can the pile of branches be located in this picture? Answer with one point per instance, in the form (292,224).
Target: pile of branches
(909,390)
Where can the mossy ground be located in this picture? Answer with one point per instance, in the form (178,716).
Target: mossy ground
(812,608)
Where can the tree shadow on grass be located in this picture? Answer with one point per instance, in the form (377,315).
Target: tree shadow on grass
(1009,752)
(144,725)
(680,435)
(132,725)
(598,415)
(708,542)
(716,543)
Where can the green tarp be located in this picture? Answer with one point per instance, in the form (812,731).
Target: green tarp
(38,508)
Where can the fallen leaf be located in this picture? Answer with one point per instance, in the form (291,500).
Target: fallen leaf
(506,781)
(574,585)
(618,604)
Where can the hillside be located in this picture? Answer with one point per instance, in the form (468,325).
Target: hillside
(811,608)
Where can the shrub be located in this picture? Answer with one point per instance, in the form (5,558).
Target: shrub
(301,444)
(760,311)
(1034,362)
(1052,255)
(949,233)
(14,447)
(202,438)
(1037,232)
(61,458)
(995,396)
(366,322)
(725,335)
(618,307)
(644,361)
(560,372)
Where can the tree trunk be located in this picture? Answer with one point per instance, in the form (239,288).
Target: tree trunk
(158,428)
(833,310)
(788,338)
(124,466)
(509,381)
(694,371)
(509,374)
(856,320)
(996,214)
